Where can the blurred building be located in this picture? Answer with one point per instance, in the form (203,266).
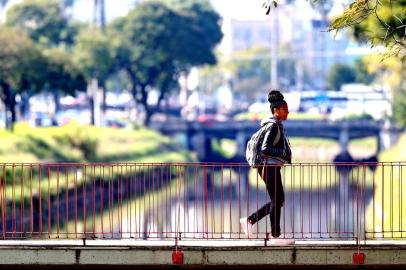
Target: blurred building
(302,31)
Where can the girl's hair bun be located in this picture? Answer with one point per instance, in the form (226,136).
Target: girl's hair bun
(275,96)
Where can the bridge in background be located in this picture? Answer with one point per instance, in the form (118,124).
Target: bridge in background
(153,214)
(199,135)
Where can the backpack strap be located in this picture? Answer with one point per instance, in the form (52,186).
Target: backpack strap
(278,135)
(278,132)
(276,140)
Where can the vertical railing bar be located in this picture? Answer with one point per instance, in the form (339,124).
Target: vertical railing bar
(102,175)
(130,199)
(284,203)
(345,197)
(373,204)
(310,195)
(167,202)
(391,200)
(161,195)
(84,186)
(328,200)
(212,202)
(66,201)
(196,195)
(120,192)
(138,179)
(186,196)
(93,172)
(49,200)
(318,178)
(222,201)
(22,203)
(206,202)
(3,201)
(354,194)
(13,202)
(145,171)
(31,203)
(179,200)
(133,197)
(230,198)
(383,202)
(364,201)
(239,200)
(111,200)
(401,199)
(58,231)
(292,194)
(75,181)
(152,194)
(40,199)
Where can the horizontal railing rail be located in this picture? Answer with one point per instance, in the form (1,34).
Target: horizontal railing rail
(322,201)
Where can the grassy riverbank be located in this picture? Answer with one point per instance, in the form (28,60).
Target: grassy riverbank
(73,143)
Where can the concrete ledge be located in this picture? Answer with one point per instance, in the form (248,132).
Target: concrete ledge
(130,255)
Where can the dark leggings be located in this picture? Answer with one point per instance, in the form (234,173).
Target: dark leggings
(273,181)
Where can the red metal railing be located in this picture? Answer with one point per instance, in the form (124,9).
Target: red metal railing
(199,201)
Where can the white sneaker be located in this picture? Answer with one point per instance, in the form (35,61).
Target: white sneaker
(246,227)
(283,239)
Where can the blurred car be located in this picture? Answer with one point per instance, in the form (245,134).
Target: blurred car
(40,119)
(209,119)
(114,123)
(80,116)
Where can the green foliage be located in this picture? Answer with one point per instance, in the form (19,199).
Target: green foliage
(378,22)
(21,63)
(94,53)
(25,70)
(43,20)
(340,74)
(80,139)
(155,43)
(62,74)
(362,75)
(21,68)
(399,107)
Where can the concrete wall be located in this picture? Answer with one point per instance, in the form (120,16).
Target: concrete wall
(304,255)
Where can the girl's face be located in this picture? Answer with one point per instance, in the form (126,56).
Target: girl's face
(281,113)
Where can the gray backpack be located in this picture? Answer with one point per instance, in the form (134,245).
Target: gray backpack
(253,153)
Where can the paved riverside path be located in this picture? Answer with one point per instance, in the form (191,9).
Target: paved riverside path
(109,254)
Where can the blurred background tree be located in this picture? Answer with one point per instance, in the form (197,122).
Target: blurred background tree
(94,54)
(154,44)
(340,74)
(64,76)
(50,30)
(21,69)
(44,21)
